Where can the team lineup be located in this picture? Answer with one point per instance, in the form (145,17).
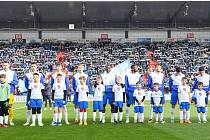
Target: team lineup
(109,88)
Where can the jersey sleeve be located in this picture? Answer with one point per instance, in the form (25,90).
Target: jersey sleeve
(30,86)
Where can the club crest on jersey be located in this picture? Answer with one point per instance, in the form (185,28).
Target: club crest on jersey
(35,86)
(59,86)
(82,88)
(118,88)
(200,93)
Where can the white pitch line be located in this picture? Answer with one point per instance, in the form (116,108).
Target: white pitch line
(19,108)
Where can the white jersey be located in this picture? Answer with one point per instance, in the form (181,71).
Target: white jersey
(82,93)
(156,95)
(118,92)
(30,76)
(157,77)
(9,75)
(184,93)
(63,77)
(59,90)
(98,93)
(200,96)
(78,75)
(177,79)
(139,96)
(36,92)
(108,79)
(204,79)
(133,78)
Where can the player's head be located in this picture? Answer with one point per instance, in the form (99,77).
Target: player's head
(6,65)
(2,78)
(33,67)
(98,79)
(156,86)
(134,68)
(80,68)
(178,69)
(201,70)
(184,80)
(59,67)
(59,77)
(200,85)
(36,77)
(108,68)
(159,68)
(138,85)
(82,80)
(119,80)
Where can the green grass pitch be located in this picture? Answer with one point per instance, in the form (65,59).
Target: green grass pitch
(107,131)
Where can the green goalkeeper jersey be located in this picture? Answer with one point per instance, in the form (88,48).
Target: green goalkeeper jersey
(4,91)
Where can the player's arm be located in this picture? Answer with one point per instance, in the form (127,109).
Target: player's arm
(88,84)
(26,82)
(8,94)
(143,99)
(64,95)
(74,86)
(126,84)
(14,82)
(135,99)
(42,90)
(209,85)
(170,84)
(150,83)
(42,79)
(53,94)
(195,84)
(161,101)
(152,101)
(29,95)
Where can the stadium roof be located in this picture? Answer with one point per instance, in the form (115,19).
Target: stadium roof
(150,14)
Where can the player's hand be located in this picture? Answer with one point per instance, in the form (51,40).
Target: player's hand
(64,102)
(53,101)
(6,104)
(160,105)
(28,103)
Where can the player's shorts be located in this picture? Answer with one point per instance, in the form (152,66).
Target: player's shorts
(11,98)
(129,97)
(98,105)
(201,109)
(36,103)
(75,101)
(174,97)
(83,104)
(108,96)
(185,105)
(158,109)
(138,109)
(119,104)
(58,103)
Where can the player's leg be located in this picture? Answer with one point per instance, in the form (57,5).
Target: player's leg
(28,113)
(85,112)
(81,109)
(60,109)
(55,115)
(111,100)
(160,111)
(1,114)
(187,107)
(136,110)
(121,111)
(33,116)
(100,111)
(11,112)
(129,97)
(6,114)
(65,109)
(95,107)
(50,101)
(199,117)
(45,102)
(207,100)
(174,99)
(76,111)
(39,112)
(203,110)
(141,111)
(181,113)
(151,113)
(116,113)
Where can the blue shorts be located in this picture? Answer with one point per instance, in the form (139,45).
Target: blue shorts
(185,105)
(83,105)
(201,109)
(108,96)
(129,97)
(98,105)
(58,103)
(174,97)
(119,104)
(36,103)
(138,109)
(75,99)
(158,109)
